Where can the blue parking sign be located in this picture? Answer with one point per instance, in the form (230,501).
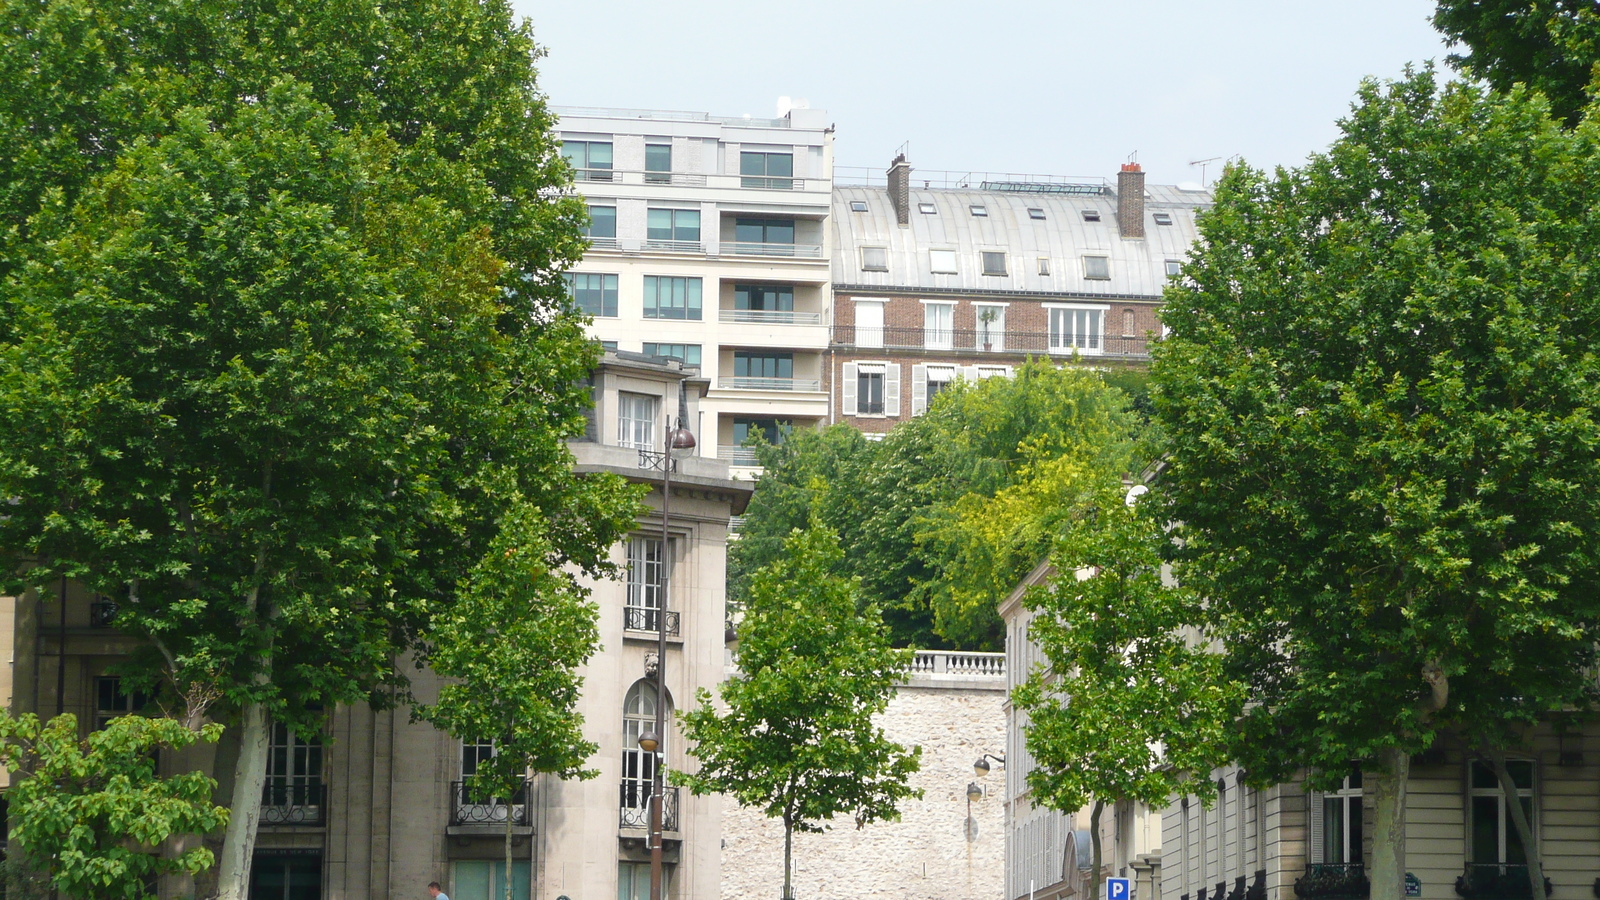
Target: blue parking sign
(1119,889)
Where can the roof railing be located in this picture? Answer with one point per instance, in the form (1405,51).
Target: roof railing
(1005,182)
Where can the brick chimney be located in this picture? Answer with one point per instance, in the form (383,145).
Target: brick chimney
(900,189)
(1130,201)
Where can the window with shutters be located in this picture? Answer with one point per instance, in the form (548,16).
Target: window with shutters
(926,382)
(870,389)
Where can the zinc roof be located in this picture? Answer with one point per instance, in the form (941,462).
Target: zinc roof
(1137,267)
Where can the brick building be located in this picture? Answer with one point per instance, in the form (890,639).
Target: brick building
(937,278)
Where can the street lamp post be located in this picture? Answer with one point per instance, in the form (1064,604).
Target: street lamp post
(678,439)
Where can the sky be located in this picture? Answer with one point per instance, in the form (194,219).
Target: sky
(1045,87)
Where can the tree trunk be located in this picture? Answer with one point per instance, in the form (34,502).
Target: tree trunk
(1388,781)
(788,839)
(1094,843)
(249,780)
(509,880)
(1519,820)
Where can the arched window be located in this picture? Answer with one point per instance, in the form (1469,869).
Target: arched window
(638,767)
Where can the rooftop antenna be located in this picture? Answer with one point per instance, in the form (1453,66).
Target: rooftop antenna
(1133,158)
(1202,163)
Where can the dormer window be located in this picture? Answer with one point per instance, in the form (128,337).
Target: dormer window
(926,209)
(1162,218)
(1091,215)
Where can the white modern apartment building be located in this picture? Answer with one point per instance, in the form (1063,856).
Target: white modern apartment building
(710,246)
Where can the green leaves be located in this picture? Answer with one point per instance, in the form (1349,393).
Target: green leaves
(1379,392)
(1549,45)
(92,814)
(797,739)
(947,512)
(1130,699)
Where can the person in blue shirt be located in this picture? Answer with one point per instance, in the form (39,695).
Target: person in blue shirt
(435,892)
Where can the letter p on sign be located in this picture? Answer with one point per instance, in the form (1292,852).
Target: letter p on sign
(1119,889)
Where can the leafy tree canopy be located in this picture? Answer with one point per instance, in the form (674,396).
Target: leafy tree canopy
(950,509)
(91,814)
(282,317)
(1549,45)
(797,739)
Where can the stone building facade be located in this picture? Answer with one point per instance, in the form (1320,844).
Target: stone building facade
(951,707)
(374,807)
(1289,842)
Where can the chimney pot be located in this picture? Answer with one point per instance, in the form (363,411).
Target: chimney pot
(1130,201)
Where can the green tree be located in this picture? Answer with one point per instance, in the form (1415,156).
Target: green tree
(952,507)
(1129,701)
(1549,45)
(1378,391)
(91,814)
(281,314)
(519,688)
(798,740)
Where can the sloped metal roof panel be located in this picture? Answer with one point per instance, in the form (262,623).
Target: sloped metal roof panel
(1137,267)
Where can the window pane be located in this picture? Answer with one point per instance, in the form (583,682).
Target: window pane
(1333,830)
(752,164)
(1096,267)
(602,221)
(1483,776)
(876,258)
(994,263)
(599,155)
(1486,829)
(780,164)
(1356,841)
(1514,852)
(1521,772)
(658,225)
(658,157)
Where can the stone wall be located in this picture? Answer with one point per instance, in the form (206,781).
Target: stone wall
(925,855)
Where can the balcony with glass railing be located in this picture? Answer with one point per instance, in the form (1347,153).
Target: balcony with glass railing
(688,179)
(770,249)
(769,317)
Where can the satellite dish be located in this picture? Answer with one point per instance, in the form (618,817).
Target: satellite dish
(1134,493)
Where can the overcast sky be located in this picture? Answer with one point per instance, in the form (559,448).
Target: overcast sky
(1058,87)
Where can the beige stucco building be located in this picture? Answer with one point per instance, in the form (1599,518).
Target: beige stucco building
(375,808)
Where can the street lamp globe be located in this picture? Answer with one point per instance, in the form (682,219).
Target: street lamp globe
(649,741)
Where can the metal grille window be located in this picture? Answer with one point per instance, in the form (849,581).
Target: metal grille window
(764,297)
(671,298)
(1096,267)
(1494,838)
(112,701)
(763,365)
(1076,328)
(591,159)
(771,171)
(636,420)
(657,163)
(672,225)
(593,294)
(688,354)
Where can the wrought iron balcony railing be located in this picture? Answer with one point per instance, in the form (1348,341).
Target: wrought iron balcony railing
(644,618)
(301,802)
(469,806)
(634,807)
(1497,881)
(1333,881)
